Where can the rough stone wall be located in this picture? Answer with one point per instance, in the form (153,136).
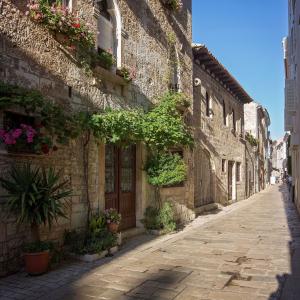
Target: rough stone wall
(32,58)
(216,138)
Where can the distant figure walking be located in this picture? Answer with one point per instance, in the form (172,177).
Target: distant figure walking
(291,187)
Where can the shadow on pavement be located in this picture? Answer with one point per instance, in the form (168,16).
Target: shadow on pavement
(289,284)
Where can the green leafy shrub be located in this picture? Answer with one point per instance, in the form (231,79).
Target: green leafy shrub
(166,169)
(95,240)
(166,216)
(160,219)
(97,225)
(251,139)
(151,218)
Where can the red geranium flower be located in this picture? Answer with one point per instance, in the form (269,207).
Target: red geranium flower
(76,25)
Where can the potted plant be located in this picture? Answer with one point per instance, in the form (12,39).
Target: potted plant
(113,219)
(105,59)
(35,196)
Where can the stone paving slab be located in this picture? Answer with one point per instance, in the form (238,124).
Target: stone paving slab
(243,252)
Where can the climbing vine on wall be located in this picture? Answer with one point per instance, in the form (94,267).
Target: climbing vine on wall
(160,129)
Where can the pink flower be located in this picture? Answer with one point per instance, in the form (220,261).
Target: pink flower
(16,133)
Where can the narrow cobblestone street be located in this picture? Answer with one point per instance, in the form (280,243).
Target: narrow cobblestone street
(242,252)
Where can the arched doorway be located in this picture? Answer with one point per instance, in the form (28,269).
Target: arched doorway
(205,178)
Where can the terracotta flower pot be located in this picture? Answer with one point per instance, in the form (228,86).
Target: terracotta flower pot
(37,263)
(113,227)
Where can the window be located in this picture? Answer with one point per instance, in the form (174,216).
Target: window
(109,28)
(238,171)
(233,121)
(103,9)
(223,165)
(224,114)
(175,77)
(207,104)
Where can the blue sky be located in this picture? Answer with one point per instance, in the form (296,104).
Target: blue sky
(246,36)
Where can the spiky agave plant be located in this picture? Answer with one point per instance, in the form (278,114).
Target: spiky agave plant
(35,196)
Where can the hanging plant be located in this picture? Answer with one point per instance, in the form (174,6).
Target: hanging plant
(55,126)
(26,139)
(61,20)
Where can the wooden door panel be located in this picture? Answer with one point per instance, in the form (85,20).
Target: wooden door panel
(120,183)
(127,187)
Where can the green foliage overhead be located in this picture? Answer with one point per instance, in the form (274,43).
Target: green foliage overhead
(117,126)
(161,128)
(164,125)
(160,219)
(35,195)
(165,169)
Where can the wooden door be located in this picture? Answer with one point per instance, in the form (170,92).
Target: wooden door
(205,179)
(120,183)
(230,167)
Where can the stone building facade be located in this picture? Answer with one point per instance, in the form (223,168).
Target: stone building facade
(142,34)
(220,153)
(291,57)
(257,122)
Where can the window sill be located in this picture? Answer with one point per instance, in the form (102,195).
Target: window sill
(12,154)
(108,75)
